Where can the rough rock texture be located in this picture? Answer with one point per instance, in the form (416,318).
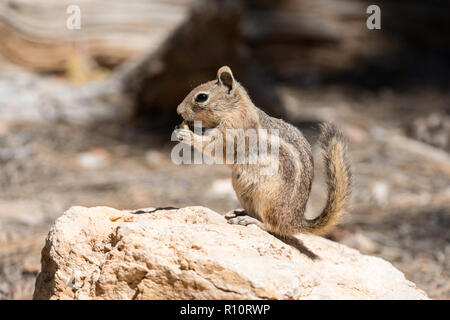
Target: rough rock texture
(192,253)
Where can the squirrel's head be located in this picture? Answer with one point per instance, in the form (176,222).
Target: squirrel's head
(213,102)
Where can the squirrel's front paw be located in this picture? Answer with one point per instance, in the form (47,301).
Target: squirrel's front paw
(184,135)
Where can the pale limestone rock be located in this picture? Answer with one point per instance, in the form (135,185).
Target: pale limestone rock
(193,253)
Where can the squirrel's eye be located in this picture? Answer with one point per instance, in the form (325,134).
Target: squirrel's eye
(201,97)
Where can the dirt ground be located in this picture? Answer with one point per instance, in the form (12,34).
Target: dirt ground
(401,199)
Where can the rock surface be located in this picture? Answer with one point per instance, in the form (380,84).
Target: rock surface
(192,253)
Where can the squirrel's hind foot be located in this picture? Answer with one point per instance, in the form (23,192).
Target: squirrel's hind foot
(244,220)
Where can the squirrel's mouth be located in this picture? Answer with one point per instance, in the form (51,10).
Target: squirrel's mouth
(189,125)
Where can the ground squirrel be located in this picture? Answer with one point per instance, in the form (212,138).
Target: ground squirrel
(274,202)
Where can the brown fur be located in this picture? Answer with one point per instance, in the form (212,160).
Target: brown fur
(279,200)
(339,179)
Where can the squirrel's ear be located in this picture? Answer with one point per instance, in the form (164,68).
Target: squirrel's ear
(225,78)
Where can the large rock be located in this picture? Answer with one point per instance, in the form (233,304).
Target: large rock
(192,253)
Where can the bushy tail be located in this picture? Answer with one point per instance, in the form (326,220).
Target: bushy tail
(339,179)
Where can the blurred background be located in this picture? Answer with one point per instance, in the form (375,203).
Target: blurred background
(86,114)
